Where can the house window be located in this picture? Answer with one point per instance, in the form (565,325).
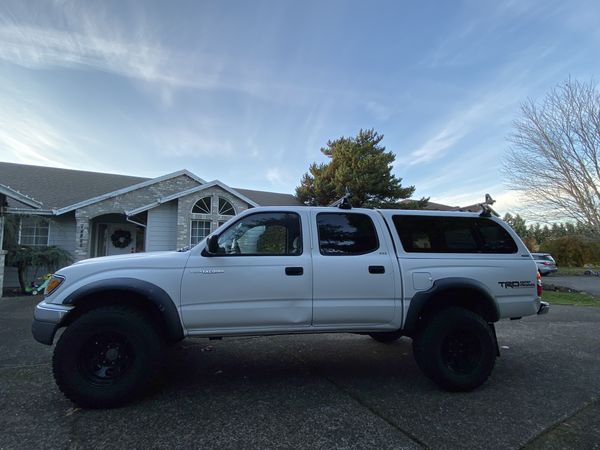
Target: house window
(208,213)
(202,206)
(34,231)
(225,208)
(200,229)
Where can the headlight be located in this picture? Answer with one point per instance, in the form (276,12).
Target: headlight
(54,282)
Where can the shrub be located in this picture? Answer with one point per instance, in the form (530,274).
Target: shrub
(572,250)
(22,257)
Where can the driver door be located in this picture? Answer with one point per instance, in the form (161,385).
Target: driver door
(260,278)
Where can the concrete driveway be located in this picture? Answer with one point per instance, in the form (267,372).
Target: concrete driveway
(328,391)
(588,284)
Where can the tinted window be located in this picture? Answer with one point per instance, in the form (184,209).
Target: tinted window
(263,234)
(346,234)
(425,234)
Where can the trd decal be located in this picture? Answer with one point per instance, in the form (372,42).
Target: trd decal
(516,284)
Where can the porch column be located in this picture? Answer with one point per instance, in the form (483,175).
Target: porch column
(82,238)
(2,254)
(1,230)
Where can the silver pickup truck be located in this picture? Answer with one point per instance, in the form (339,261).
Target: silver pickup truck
(440,278)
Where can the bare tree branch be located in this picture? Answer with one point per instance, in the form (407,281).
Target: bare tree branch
(554,158)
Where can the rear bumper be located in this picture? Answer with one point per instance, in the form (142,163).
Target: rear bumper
(47,318)
(544,308)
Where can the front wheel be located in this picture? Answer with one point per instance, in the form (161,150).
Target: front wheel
(107,357)
(456,349)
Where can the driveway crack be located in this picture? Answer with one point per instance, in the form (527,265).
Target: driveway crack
(359,400)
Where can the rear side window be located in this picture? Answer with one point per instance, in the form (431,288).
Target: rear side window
(346,234)
(426,234)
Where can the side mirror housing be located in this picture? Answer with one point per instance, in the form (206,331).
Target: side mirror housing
(212,244)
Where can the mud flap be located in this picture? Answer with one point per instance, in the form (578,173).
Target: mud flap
(493,327)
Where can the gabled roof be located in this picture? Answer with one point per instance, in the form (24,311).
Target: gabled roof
(57,188)
(264,198)
(7,191)
(124,190)
(193,190)
(61,190)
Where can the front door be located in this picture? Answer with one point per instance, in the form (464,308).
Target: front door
(260,278)
(120,238)
(353,272)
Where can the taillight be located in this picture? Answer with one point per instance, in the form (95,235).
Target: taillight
(539,284)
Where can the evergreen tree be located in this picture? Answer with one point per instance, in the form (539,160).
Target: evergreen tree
(362,166)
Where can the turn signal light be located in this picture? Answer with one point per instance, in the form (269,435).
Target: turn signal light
(54,282)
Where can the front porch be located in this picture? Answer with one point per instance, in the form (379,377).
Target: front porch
(113,234)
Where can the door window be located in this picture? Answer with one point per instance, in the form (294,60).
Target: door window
(263,234)
(346,234)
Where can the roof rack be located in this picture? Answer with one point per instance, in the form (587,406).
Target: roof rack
(486,207)
(344,202)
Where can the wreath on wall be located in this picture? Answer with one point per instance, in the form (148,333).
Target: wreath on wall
(121,238)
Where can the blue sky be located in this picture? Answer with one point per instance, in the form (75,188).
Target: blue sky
(248,91)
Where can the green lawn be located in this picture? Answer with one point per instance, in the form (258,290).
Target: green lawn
(570,298)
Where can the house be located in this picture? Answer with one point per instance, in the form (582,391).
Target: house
(94,214)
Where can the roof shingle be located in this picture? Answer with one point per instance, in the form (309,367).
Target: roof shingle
(57,188)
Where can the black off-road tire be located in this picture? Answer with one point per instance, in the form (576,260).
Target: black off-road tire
(107,357)
(386,337)
(456,349)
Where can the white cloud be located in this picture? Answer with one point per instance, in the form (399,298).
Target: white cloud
(31,137)
(488,110)
(379,110)
(38,47)
(437,146)
(274,175)
(187,142)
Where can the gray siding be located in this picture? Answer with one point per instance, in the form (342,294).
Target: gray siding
(63,232)
(161,230)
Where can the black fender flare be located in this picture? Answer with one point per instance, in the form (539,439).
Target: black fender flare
(422,300)
(156,295)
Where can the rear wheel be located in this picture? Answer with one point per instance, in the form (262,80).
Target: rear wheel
(386,337)
(107,357)
(456,349)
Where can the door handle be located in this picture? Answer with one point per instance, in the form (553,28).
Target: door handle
(294,271)
(376,269)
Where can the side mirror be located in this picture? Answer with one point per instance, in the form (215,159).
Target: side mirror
(212,245)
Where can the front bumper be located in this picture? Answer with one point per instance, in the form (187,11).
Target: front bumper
(47,318)
(544,308)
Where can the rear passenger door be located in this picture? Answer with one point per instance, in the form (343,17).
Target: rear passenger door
(353,272)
